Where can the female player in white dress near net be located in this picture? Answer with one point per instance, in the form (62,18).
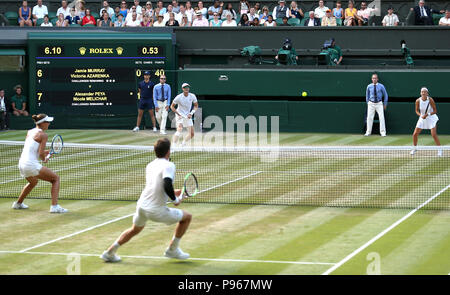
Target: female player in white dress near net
(426,110)
(31,169)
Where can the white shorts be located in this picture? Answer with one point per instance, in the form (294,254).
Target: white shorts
(185,122)
(29,169)
(162,215)
(428,123)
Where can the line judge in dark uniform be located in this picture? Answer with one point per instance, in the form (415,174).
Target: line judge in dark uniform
(145,88)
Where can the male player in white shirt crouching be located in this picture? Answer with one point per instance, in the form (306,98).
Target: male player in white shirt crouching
(160,174)
(183,113)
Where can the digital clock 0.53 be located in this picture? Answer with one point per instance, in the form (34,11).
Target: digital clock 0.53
(150,50)
(51,50)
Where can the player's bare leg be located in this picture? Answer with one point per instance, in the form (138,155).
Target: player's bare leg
(416,135)
(189,135)
(110,254)
(177,134)
(436,140)
(139,119)
(32,182)
(152,117)
(173,251)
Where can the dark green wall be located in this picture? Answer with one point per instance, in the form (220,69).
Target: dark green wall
(317,83)
(338,117)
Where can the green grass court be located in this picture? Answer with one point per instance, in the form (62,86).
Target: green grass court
(230,239)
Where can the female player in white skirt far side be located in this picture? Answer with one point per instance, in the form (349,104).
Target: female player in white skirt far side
(426,110)
(183,113)
(31,169)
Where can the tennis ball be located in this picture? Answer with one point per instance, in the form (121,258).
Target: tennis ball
(304,93)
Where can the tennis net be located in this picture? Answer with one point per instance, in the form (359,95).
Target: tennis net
(365,177)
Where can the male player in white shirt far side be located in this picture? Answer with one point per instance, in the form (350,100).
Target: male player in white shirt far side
(151,205)
(183,113)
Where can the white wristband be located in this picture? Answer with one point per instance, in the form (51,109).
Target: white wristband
(192,112)
(177,201)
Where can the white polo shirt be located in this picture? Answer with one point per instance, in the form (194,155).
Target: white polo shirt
(153,196)
(184,103)
(66,11)
(40,12)
(445,21)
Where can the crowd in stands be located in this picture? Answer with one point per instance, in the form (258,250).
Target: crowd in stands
(218,14)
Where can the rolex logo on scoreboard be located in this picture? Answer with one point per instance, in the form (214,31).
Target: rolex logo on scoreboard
(101,50)
(119,50)
(82,50)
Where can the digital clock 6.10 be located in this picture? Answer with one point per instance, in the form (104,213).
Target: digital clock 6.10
(51,50)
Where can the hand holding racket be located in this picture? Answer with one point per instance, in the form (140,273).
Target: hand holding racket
(56,146)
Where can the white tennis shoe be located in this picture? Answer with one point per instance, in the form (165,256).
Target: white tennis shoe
(16,205)
(136,129)
(155,129)
(57,209)
(177,254)
(439,153)
(412,152)
(110,257)
(163,132)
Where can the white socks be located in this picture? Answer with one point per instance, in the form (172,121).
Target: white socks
(175,243)
(114,248)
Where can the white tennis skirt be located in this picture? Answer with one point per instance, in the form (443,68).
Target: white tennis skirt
(29,169)
(428,123)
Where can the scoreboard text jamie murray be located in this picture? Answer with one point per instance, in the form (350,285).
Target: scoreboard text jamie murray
(95,74)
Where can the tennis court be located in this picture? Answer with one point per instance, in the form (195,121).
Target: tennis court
(323,203)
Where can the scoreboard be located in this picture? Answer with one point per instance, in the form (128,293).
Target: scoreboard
(95,74)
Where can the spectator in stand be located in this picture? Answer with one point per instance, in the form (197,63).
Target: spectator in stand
(119,22)
(200,21)
(338,51)
(88,19)
(203,10)
(338,11)
(124,9)
(172,22)
(185,21)
(130,15)
(133,22)
(216,7)
(252,15)
(159,22)
(179,15)
(106,8)
(61,22)
(105,21)
(176,6)
(4,111)
(284,22)
(138,7)
(229,22)
(149,9)
(46,22)
(364,14)
(312,21)
(423,14)
(281,10)
(25,15)
(115,15)
(80,8)
(445,20)
(189,11)
(320,11)
(328,20)
(73,18)
(169,10)
(64,9)
(390,19)
(255,22)
(146,21)
(215,22)
(295,11)
(270,22)
(264,15)
(228,9)
(244,7)
(39,11)
(143,13)
(350,14)
(257,8)
(19,102)
(244,22)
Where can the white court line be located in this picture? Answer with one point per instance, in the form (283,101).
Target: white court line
(192,258)
(119,218)
(354,253)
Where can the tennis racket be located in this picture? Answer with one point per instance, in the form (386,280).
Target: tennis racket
(190,186)
(57,145)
